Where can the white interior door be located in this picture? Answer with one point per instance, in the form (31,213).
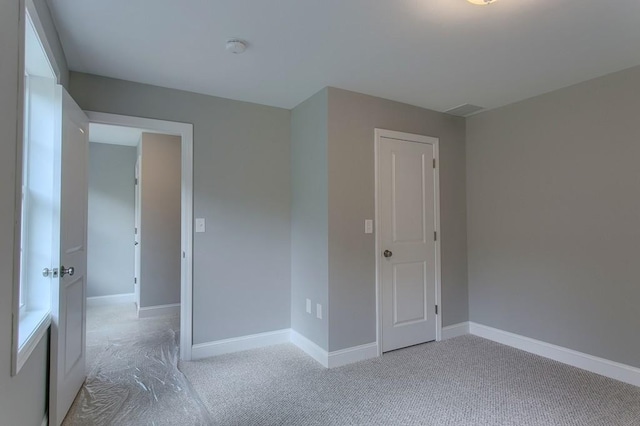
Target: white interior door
(68,328)
(136,241)
(407,224)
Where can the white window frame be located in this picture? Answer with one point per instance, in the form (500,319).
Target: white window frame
(33,321)
(29,326)
(24,200)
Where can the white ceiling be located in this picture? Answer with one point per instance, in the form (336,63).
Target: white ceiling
(432,53)
(114,135)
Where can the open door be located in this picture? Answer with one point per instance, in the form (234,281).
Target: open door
(68,310)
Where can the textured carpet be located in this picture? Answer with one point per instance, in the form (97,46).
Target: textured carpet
(132,374)
(462,381)
(133,379)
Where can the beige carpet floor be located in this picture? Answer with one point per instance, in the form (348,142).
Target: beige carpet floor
(462,381)
(133,379)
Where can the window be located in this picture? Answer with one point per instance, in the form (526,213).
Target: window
(24,198)
(38,207)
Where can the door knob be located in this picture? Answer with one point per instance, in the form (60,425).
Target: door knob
(67,271)
(387,253)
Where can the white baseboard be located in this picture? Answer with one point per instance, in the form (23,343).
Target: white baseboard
(455,330)
(351,355)
(114,299)
(45,420)
(604,367)
(336,358)
(159,310)
(237,344)
(310,348)
(255,341)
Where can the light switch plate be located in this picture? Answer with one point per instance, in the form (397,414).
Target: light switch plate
(368,226)
(319,311)
(200,224)
(308,306)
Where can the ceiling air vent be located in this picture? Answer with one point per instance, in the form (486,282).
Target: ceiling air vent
(464,110)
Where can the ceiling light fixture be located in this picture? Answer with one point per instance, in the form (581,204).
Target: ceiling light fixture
(236,46)
(482,2)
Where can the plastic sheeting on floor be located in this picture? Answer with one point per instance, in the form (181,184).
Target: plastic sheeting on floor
(136,381)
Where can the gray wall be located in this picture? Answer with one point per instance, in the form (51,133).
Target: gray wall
(242,264)
(23,397)
(111,219)
(333,187)
(309,217)
(352,120)
(160,204)
(554,201)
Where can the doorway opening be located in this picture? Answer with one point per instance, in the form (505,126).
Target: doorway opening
(134,245)
(152,134)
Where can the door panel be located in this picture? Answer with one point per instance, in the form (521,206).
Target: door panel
(409,296)
(73,325)
(408,197)
(68,330)
(406,208)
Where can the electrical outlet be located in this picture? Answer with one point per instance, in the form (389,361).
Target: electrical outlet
(200,224)
(319,311)
(308,306)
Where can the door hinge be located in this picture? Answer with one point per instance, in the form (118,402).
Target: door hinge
(135,231)
(135,281)
(436,309)
(434,163)
(435,236)
(136,181)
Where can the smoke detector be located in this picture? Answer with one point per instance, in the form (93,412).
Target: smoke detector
(236,46)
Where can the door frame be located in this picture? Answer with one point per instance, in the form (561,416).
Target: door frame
(185,131)
(136,234)
(391,134)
